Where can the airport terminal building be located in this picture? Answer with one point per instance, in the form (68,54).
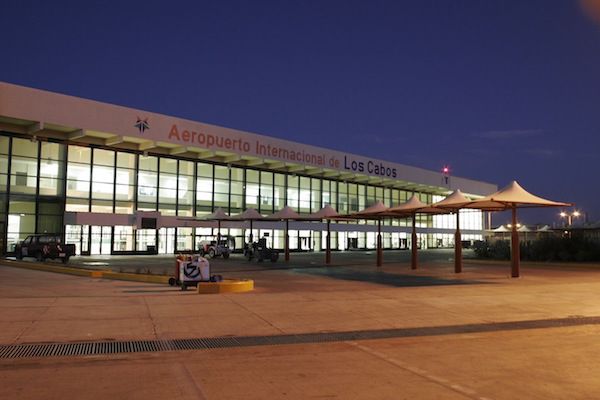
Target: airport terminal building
(94,172)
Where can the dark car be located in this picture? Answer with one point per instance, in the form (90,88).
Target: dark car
(43,247)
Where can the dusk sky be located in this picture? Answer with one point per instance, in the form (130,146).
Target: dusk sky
(497,90)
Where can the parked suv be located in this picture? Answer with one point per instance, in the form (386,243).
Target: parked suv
(212,249)
(43,247)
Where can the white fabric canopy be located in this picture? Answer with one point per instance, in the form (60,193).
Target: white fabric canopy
(217,215)
(324,213)
(414,205)
(513,195)
(454,201)
(285,213)
(373,209)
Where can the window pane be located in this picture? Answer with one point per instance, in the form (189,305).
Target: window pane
(78,180)
(279,200)
(74,204)
(185,195)
(124,192)
(237,174)
(222,200)
(125,176)
(186,187)
(305,196)
(251,176)
(102,182)
(148,163)
(126,160)
(221,172)
(80,154)
(279,180)
(4,144)
(236,204)
(3,163)
(23,175)
(124,207)
(52,169)
(237,187)
(102,206)
(204,194)
(123,238)
(252,195)
(104,157)
(221,193)
(21,220)
(24,147)
(205,170)
(147,187)
(168,165)
(266,192)
(52,151)
(50,224)
(186,168)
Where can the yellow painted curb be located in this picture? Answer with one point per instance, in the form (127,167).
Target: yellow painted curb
(49,268)
(92,273)
(226,286)
(123,276)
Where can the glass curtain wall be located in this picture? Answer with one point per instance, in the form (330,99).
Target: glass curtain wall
(4,156)
(185,189)
(147,190)
(32,189)
(103,180)
(39,180)
(23,181)
(125,183)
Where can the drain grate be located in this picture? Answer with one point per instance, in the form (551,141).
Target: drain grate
(144,346)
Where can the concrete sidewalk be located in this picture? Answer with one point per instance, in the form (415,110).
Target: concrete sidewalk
(557,362)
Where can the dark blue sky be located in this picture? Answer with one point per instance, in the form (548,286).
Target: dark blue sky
(498,90)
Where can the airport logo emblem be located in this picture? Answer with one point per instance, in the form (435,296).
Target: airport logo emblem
(142,124)
(191,271)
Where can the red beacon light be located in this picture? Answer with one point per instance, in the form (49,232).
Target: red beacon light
(446,174)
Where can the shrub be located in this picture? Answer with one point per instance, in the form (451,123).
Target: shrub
(545,249)
(497,250)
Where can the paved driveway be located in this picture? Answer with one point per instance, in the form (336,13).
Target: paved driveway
(478,335)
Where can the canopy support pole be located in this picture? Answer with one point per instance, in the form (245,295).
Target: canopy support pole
(251,236)
(287,241)
(413,258)
(515,253)
(218,231)
(379,249)
(328,244)
(457,246)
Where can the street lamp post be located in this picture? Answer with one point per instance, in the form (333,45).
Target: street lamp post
(570,216)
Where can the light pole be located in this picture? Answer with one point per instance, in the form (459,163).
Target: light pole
(518,225)
(570,216)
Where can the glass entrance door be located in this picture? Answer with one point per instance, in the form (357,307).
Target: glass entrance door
(166,240)
(100,242)
(305,240)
